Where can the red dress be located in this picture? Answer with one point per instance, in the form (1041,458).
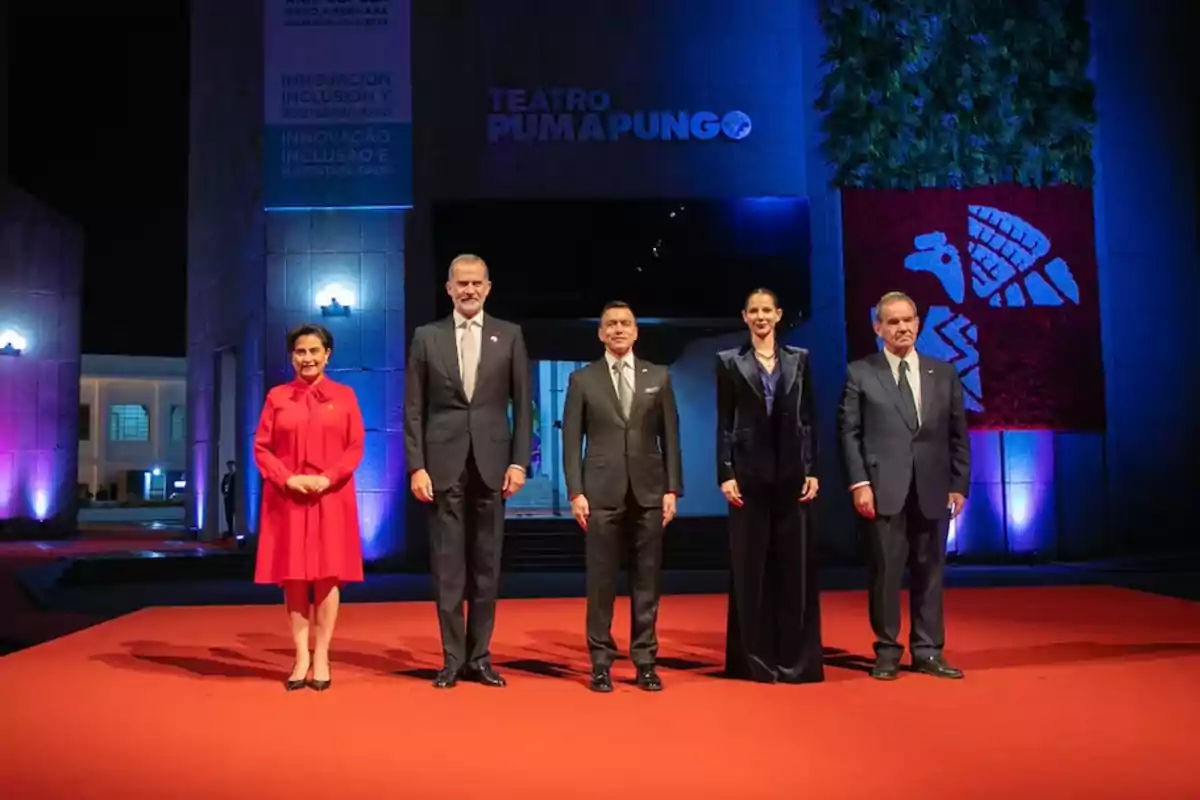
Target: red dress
(309,429)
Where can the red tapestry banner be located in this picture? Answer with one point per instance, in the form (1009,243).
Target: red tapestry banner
(1004,278)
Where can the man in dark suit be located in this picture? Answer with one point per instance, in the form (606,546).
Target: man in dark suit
(229,495)
(465,461)
(903,431)
(625,481)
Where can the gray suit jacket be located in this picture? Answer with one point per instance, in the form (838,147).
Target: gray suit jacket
(642,452)
(879,447)
(441,426)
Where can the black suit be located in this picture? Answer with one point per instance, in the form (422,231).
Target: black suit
(629,464)
(466,446)
(766,441)
(229,495)
(912,467)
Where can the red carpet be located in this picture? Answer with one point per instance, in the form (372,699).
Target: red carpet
(1069,692)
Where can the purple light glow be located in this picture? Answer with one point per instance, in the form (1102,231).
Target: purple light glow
(1027,503)
(374,508)
(7,483)
(41,504)
(1028,489)
(41,259)
(252,489)
(40,487)
(198,481)
(27,482)
(29,471)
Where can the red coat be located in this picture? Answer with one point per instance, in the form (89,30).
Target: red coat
(309,429)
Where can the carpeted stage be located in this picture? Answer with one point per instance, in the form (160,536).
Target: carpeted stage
(1069,692)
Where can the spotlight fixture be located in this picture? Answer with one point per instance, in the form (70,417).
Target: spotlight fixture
(12,343)
(335,301)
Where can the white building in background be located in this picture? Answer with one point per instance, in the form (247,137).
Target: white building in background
(132,426)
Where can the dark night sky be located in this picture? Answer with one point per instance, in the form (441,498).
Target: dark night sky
(98,125)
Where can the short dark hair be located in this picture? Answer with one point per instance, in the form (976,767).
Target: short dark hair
(612,304)
(309,329)
(761,290)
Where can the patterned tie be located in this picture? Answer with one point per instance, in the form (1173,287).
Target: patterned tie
(910,402)
(470,360)
(624,390)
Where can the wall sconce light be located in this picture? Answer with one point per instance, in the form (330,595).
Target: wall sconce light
(335,300)
(12,343)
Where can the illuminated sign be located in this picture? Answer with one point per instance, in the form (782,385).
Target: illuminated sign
(587,115)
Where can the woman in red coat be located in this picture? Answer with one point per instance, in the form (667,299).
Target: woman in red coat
(308,443)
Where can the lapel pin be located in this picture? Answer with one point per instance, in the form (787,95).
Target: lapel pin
(930,372)
(495,338)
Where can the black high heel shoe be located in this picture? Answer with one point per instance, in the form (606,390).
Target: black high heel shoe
(292,686)
(320,686)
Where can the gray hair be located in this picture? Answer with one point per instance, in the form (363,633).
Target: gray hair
(888,299)
(466,258)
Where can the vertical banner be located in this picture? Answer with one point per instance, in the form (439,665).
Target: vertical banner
(1004,278)
(338,103)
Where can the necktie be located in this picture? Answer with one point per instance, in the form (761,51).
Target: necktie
(910,402)
(470,360)
(624,390)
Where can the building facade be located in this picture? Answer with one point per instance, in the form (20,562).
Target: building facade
(274,225)
(132,427)
(41,259)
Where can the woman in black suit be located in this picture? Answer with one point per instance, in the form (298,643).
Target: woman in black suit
(767,464)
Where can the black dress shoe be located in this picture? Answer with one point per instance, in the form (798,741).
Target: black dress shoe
(648,680)
(885,671)
(447,678)
(485,674)
(601,681)
(936,667)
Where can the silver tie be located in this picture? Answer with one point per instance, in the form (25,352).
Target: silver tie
(470,360)
(624,390)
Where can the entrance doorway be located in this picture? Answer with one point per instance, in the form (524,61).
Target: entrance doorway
(545,492)
(226,512)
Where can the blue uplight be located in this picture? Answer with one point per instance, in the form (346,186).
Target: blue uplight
(1012,508)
